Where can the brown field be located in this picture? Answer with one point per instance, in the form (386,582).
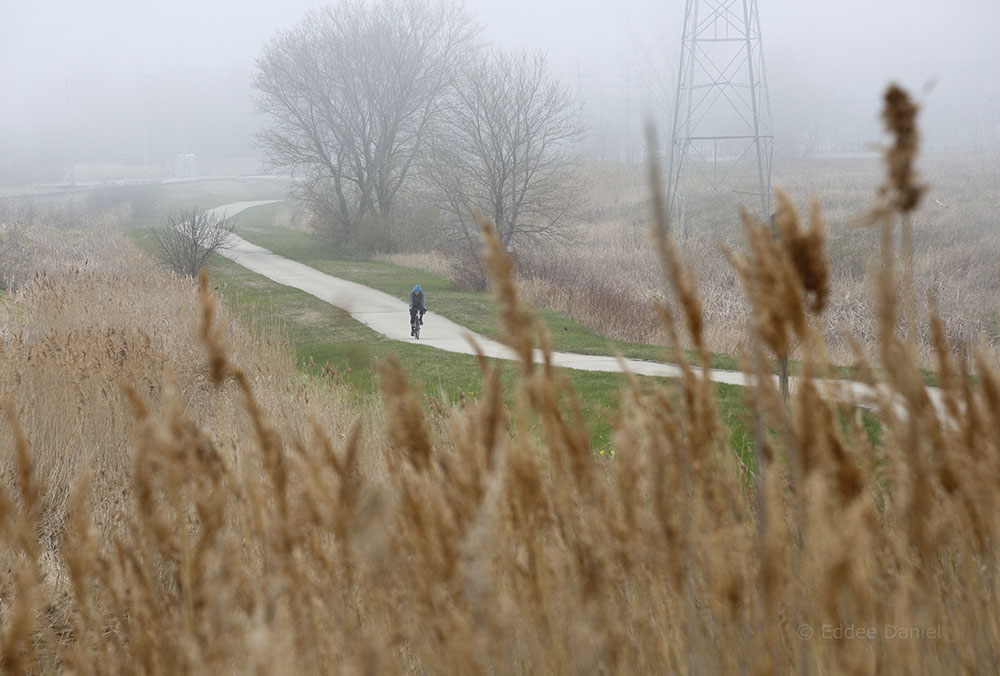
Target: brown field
(607,275)
(177,499)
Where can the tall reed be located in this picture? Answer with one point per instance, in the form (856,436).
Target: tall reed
(173,503)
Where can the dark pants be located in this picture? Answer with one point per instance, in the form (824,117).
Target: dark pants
(413,315)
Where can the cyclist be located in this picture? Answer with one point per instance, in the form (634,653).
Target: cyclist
(417,305)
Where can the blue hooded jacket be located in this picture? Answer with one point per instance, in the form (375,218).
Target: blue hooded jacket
(417,299)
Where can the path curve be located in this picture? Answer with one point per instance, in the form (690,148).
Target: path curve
(389,316)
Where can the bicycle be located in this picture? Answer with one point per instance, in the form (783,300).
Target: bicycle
(415,322)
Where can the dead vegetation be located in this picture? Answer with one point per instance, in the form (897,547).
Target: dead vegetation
(187,238)
(607,276)
(216,515)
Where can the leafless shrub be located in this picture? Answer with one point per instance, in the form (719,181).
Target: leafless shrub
(189,236)
(465,268)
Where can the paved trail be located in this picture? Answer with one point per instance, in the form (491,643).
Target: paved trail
(389,316)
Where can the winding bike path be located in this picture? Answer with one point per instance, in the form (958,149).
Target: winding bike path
(389,316)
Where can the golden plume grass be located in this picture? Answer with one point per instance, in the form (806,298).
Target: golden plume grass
(176,498)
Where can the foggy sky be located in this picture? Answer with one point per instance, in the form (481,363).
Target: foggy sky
(77,78)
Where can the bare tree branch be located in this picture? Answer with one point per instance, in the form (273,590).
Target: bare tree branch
(507,145)
(189,236)
(352,92)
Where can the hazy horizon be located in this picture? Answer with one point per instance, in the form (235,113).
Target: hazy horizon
(80,82)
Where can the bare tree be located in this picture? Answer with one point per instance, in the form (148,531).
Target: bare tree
(507,145)
(189,236)
(351,93)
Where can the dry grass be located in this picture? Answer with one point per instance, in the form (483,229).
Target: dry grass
(432,261)
(218,516)
(608,276)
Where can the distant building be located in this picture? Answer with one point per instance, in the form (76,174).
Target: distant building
(185,165)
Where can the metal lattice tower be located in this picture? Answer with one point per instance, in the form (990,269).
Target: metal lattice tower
(722,140)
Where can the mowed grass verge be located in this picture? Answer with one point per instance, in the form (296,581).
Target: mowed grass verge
(475,311)
(351,352)
(330,345)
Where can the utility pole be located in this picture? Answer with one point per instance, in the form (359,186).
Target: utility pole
(628,114)
(979,103)
(722,142)
(145,141)
(69,137)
